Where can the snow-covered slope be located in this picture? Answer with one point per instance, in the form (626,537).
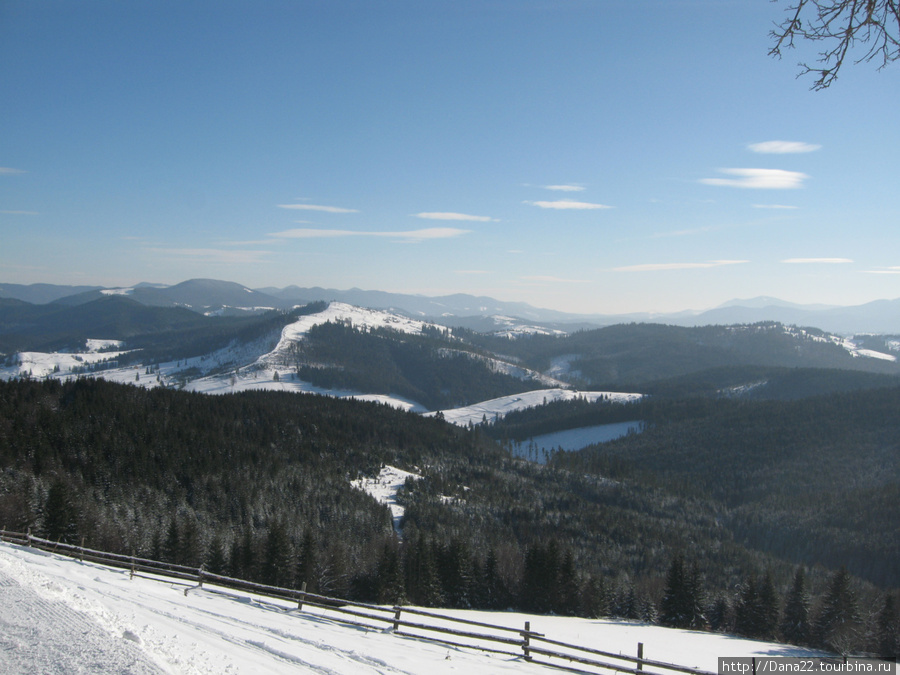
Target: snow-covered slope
(63,616)
(500,407)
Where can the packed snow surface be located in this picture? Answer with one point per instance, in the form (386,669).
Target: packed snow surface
(64,616)
(499,407)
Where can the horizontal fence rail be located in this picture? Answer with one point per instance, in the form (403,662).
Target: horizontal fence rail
(431,626)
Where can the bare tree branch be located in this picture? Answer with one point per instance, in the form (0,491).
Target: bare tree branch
(843,25)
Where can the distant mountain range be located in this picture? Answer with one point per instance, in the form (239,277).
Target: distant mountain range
(210,296)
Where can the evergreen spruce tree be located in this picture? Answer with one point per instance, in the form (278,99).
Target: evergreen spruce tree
(455,567)
(720,615)
(746,611)
(795,622)
(569,590)
(540,578)
(888,629)
(277,567)
(389,583)
(769,605)
(189,546)
(496,595)
(60,515)
(696,598)
(172,543)
(307,563)
(216,561)
(837,626)
(595,599)
(675,610)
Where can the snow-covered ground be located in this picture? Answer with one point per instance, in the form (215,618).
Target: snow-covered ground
(573,439)
(499,407)
(62,616)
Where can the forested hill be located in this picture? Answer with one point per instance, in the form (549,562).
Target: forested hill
(633,355)
(815,480)
(258,485)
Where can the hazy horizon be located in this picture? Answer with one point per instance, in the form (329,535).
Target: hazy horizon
(589,157)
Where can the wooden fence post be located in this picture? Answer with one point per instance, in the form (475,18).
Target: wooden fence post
(397,618)
(526,641)
(81,550)
(640,661)
(302,595)
(28,537)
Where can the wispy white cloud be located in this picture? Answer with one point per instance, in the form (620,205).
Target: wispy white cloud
(214,255)
(782,147)
(317,207)
(20,213)
(566,204)
(9,171)
(658,267)
(407,235)
(773,206)
(565,188)
(817,261)
(886,270)
(771,179)
(449,215)
(554,280)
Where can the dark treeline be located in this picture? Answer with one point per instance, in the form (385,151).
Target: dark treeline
(257,485)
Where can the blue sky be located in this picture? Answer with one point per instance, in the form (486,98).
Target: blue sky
(582,155)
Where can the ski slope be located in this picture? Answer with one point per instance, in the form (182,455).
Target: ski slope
(64,616)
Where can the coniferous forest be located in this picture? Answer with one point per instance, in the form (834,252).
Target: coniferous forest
(773,519)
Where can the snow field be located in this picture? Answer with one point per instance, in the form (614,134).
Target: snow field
(499,407)
(64,616)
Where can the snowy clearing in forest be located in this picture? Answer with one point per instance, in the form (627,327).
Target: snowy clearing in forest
(500,407)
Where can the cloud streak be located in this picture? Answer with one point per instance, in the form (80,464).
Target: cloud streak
(568,204)
(9,171)
(449,215)
(817,261)
(406,235)
(554,280)
(662,267)
(782,147)
(759,179)
(317,207)
(565,188)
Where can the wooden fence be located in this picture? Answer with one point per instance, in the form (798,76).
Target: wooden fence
(411,622)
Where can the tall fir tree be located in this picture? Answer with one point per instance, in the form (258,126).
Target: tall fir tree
(60,514)
(837,626)
(888,635)
(674,610)
(795,622)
